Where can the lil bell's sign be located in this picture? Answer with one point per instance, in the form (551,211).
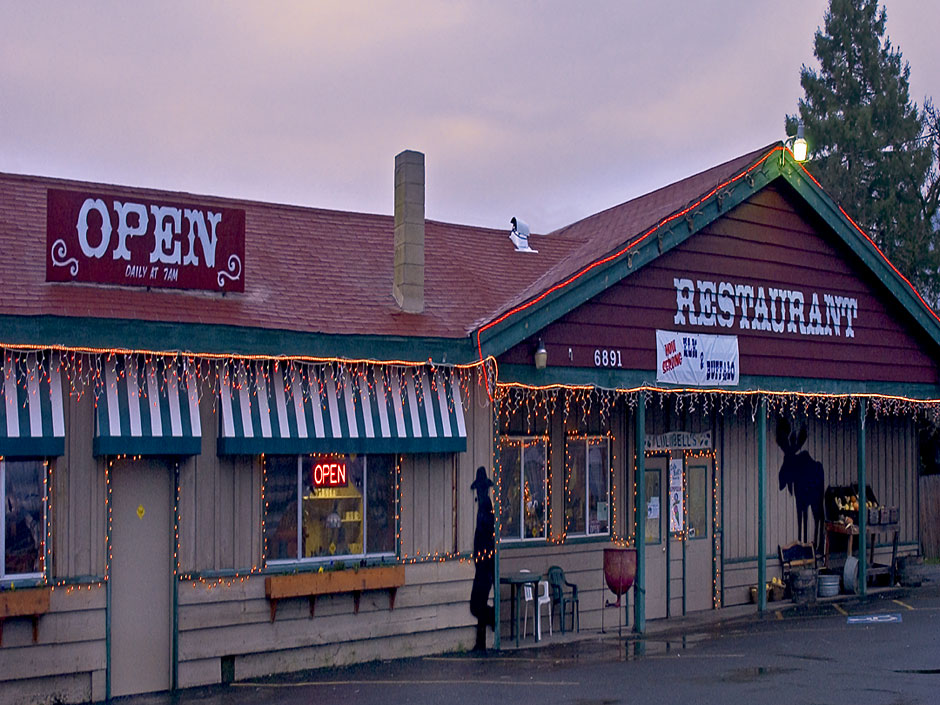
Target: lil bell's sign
(130,241)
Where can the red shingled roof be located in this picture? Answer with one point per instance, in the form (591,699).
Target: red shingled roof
(610,230)
(314,270)
(306,269)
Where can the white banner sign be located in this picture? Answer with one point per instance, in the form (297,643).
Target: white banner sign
(696,359)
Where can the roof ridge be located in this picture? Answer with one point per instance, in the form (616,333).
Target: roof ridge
(617,219)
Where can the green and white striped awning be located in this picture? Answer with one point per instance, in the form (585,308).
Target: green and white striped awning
(146,407)
(32,418)
(288,408)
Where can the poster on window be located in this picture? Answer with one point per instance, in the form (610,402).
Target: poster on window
(696,359)
(652,508)
(676,506)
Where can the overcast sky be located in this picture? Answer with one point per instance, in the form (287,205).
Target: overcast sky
(548,111)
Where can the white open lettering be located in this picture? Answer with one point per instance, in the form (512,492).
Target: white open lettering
(94,204)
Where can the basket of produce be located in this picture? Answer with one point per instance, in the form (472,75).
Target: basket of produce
(775,590)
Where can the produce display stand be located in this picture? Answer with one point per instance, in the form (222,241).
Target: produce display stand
(851,530)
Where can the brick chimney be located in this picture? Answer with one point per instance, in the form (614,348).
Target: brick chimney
(408,287)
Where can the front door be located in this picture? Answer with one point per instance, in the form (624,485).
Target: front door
(699,562)
(679,516)
(141,569)
(657,476)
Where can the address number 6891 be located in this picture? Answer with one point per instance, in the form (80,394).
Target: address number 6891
(607,358)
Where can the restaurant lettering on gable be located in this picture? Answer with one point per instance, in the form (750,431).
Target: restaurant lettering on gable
(779,310)
(135,242)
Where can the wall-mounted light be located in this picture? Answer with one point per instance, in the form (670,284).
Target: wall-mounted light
(798,145)
(541,356)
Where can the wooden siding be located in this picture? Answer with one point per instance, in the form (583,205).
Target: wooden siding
(768,241)
(431,614)
(67,663)
(79,512)
(583,563)
(220,504)
(427,490)
(581,558)
(431,611)
(930,515)
(891,465)
(479,419)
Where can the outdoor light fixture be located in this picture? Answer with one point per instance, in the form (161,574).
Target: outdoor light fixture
(541,356)
(797,145)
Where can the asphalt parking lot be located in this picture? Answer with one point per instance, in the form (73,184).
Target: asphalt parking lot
(884,648)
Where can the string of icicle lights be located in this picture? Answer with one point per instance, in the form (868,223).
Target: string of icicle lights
(583,405)
(90,369)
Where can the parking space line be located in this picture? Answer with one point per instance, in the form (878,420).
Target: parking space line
(840,610)
(470,681)
(903,604)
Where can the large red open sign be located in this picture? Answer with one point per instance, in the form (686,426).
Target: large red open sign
(329,472)
(133,241)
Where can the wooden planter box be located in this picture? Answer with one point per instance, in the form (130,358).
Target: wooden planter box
(309,585)
(28,602)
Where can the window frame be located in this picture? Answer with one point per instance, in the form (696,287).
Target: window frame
(523,440)
(10,578)
(298,558)
(658,473)
(586,441)
(692,531)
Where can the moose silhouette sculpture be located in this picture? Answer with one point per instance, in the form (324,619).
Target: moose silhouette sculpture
(805,480)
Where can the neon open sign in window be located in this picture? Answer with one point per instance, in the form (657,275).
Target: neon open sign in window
(329,473)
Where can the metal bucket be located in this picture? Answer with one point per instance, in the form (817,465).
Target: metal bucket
(828,585)
(911,571)
(850,575)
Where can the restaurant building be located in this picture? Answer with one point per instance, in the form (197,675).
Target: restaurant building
(238,438)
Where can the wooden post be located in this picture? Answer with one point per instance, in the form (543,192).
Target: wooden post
(639,514)
(761,504)
(862,500)
(497,476)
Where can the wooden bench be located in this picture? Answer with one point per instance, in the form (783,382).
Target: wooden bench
(26,602)
(796,556)
(309,585)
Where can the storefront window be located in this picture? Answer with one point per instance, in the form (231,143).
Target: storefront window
(653,500)
(697,478)
(587,504)
(523,480)
(346,506)
(21,492)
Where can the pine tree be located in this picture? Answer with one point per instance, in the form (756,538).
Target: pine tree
(866,138)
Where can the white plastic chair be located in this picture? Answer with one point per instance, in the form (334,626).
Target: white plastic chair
(544,598)
(527,596)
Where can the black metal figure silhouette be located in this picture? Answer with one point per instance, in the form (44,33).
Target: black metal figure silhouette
(484,549)
(804,478)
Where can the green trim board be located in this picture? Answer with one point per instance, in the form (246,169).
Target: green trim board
(500,337)
(43,447)
(150,446)
(303,446)
(199,338)
(605,378)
